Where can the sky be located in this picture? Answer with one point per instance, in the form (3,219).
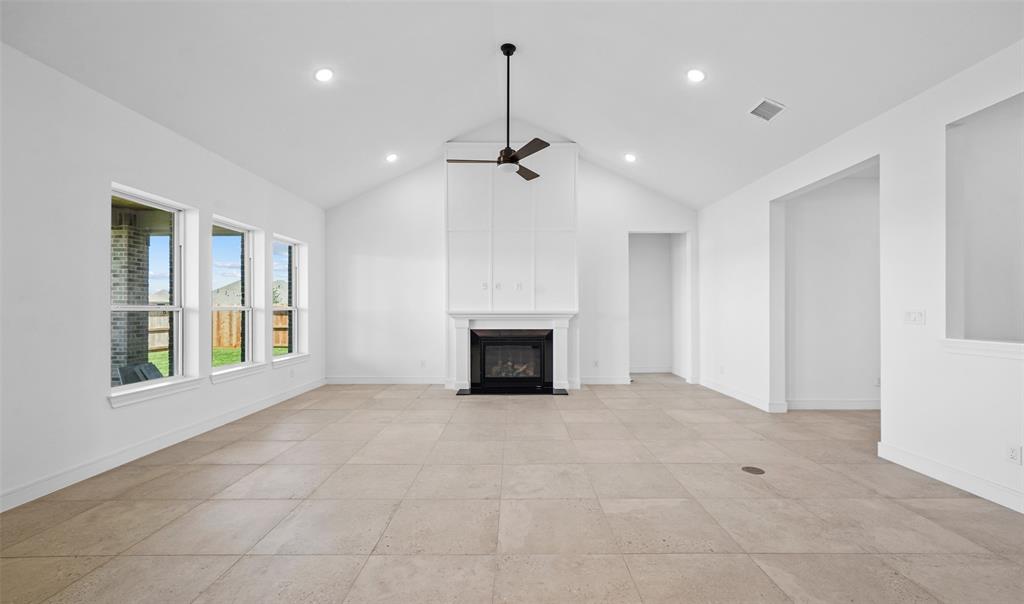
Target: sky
(227,259)
(227,266)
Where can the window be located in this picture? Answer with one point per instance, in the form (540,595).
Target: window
(284,292)
(145,291)
(232,308)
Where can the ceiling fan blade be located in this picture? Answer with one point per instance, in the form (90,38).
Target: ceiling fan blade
(530,148)
(472,161)
(527,173)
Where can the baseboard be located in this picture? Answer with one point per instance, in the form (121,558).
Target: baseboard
(385,379)
(48,484)
(982,487)
(604,380)
(834,404)
(650,370)
(745,397)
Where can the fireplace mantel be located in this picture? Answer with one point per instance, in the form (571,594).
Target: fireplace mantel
(560,322)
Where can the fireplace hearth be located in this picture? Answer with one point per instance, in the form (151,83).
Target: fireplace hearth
(511,361)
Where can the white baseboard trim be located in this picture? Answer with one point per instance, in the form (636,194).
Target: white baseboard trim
(745,397)
(604,379)
(982,487)
(385,379)
(58,480)
(834,404)
(650,370)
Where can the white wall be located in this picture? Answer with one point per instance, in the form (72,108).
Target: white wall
(401,224)
(832,315)
(949,411)
(985,217)
(684,315)
(385,282)
(650,303)
(63,146)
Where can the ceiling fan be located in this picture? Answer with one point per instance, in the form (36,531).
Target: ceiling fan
(508,159)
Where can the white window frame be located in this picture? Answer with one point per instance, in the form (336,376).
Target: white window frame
(295,308)
(174,306)
(247,307)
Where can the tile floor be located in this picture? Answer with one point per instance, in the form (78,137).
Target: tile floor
(615,494)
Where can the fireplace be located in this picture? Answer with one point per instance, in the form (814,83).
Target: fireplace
(511,361)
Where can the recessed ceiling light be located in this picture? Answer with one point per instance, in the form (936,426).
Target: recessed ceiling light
(323,75)
(391,158)
(695,76)
(629,157)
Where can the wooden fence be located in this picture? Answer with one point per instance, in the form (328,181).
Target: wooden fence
(227,331)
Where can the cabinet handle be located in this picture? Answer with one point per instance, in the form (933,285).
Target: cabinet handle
(497,286)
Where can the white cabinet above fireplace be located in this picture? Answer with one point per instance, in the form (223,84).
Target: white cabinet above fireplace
(511,243)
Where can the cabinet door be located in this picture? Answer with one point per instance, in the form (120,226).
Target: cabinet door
(554,193)
(556,270)
(469,196)
(469,265)
(513,270)
(513,202)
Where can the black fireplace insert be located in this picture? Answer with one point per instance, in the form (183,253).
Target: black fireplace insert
(511,361)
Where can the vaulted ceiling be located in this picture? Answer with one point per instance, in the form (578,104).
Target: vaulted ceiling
(237,78)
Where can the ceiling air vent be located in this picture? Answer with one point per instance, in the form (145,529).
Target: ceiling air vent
(767,109)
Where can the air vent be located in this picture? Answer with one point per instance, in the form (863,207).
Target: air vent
(767,109)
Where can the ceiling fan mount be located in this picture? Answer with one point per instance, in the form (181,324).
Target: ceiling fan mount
(508,158)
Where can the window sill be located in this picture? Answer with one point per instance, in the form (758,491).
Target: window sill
(298,357)
(984,348)
(129,395)
(233,373)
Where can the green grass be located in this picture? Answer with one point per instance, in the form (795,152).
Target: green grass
(162,360)
(280,351)
(221,357)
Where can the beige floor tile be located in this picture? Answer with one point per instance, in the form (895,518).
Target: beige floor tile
(146,579)
(579,403)
(408,432)
(720,481)
(27,580)
(318,416)
(554,526)
(837,451)
(613,451)
(278,482)
(554,579)
(424,580)
(285,580)
(349,432)
(840,578)
(437,404)
(216,527)
(756,452)
(963,578)
(589,416)
(467,452)
(534,452)
(479,416)
(397,403)
(700,416)
(108,485)
(22,522)
(371,416)
(634,480)
(442,527)
(806,481)
(377,481)
(190,482)
(628,404)
(474,432)
(534,431)
(779,525)
(104,530)
(892,480)
(724,431)
(181,453)
(318,452)
(848,431)
(546,481)
(228,433)
(686,451)
(328,527)
(460,481)
(702,578)
(246,452)
(285,432)
(409,452)
(424,416)
(534,416)
(599,431)
(881,525)
(663,526)
(669,430)
(988,524)
(775,430)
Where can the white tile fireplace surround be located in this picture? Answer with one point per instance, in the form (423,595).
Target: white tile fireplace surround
(562,324)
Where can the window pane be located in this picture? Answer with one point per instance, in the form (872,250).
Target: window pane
(141,254)
(229,335)
(228,248)
(284,332)
(284,279)
(141,346)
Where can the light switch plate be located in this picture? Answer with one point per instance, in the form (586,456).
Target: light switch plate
(914,317)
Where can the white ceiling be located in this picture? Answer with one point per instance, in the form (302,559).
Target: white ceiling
(237,78)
